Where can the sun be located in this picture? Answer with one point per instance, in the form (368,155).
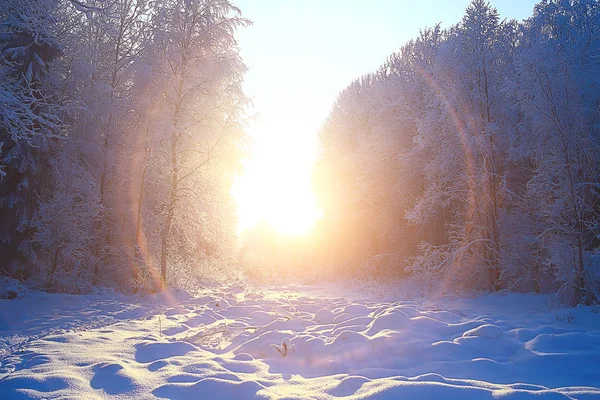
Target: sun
(275,186)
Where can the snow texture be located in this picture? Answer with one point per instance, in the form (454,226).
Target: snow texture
(296,342)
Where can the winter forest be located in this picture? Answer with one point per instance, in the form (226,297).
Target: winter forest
(121,129)
(469,160)
(442,241)
(472,156)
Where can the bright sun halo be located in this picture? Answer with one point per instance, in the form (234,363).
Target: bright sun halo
(275,185)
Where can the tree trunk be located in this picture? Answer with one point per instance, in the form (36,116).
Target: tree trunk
(139,252)
(97,230)
(54,265)
(580,289)
(171,207)
(164,246)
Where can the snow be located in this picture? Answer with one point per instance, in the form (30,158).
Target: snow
(296,342)
(11,288)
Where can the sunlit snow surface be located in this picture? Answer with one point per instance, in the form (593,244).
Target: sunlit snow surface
(339,342)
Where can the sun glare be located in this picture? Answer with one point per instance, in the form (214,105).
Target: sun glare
(275,186)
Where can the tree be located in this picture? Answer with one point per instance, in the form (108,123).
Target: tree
(30,116)
(467,130)
(200,81)
(557,89)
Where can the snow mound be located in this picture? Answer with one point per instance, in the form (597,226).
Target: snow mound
(11,289)
(487,331)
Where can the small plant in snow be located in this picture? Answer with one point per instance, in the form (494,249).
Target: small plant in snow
(565,318)
(285,347)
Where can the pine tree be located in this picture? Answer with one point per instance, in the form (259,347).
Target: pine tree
(30,116)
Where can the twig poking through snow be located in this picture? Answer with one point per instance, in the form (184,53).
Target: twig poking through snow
(567,318)
(288,315)
(285,347)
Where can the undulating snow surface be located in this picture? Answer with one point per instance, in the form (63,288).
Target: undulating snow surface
(296,342)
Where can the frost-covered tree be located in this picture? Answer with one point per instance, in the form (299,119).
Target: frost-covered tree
(64,224)
(30,114)
(558,91)
(198,75)
(115,38)
(466,130)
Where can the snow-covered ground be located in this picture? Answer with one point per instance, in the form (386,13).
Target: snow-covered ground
(323,342)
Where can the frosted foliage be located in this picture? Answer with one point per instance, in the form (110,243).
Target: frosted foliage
(27,39)
(93,96)
(476,147)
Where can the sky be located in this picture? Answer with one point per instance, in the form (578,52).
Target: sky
(300,55)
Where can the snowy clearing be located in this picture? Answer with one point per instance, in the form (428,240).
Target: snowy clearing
(301,342)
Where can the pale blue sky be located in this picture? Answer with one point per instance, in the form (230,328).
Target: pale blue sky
(300,55)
